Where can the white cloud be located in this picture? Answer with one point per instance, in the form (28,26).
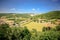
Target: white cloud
(33,9)
(13,9)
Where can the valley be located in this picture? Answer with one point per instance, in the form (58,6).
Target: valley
(32,22)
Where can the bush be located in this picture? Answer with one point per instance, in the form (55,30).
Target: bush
(58,28)
(4,31)
(19,33)
(46,28)
(25,34)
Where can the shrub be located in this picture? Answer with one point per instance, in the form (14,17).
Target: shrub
(25,34)
(58,28)
(46,28)
(4,31)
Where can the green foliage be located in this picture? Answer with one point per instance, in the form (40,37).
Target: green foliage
(58,28)
(25,34)
(13,15)
(19,33)
(4,31)
(49,15)
(47,35)
(46,28)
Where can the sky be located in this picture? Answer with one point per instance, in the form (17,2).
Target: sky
(29,6)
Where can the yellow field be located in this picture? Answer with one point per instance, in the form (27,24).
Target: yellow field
(34,25)
(38,26)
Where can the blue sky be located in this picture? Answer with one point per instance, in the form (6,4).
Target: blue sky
(29,6)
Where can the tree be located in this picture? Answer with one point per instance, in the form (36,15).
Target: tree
(25,34)
(46,28)
(3,31)
(58,28)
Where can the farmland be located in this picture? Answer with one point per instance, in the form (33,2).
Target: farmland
(36,22)
(26,27)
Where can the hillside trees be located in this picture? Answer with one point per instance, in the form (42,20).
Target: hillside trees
(49,15)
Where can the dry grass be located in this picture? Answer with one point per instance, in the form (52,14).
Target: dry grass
(34,25)
(37,26)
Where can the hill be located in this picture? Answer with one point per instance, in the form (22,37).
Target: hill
(12,15)
(49,15)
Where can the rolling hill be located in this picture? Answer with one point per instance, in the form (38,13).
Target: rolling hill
(49,15)
(12,15)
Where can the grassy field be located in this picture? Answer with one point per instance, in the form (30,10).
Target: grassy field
(37,26)
(34,25)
